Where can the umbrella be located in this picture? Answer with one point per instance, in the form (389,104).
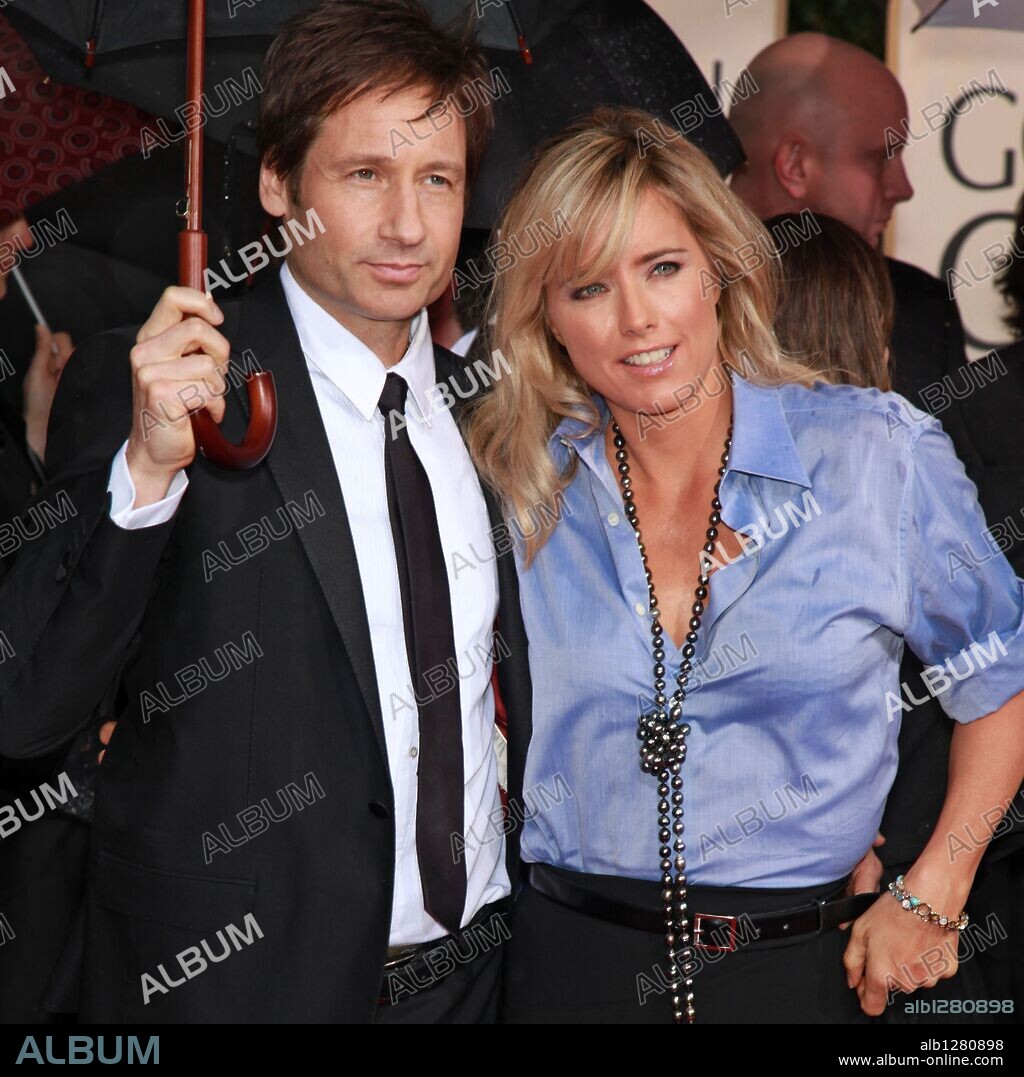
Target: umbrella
(579,55)
(606,52)
(259,435)
(136,51)
(54,136)
(566,60)
(119,25)
(978,14)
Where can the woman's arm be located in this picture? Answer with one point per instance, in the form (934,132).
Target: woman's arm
(889,948)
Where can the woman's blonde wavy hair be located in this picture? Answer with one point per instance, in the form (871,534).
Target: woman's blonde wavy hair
(594,173)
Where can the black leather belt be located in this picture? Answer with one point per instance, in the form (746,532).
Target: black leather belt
(409,969)
(822,915)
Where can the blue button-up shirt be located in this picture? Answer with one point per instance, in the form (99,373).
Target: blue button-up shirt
(864,532)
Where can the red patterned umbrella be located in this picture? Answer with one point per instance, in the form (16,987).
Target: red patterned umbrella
(51,135)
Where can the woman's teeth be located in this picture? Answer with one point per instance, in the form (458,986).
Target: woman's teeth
(649,358)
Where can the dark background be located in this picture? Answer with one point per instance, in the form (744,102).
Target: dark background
(861,22)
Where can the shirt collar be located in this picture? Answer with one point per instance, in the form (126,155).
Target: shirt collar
(349,364)
(762,442)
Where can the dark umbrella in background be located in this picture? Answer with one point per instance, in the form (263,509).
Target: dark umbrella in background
(551,63)
(51,135)
(561,60)
(78,41)
(604,52)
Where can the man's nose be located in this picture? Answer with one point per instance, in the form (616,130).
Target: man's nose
(403,221)
(898,185)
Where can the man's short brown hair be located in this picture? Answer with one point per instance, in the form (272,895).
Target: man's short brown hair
(332,54)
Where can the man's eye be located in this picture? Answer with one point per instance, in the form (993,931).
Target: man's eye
(587,292)
(364,173)
(443,181)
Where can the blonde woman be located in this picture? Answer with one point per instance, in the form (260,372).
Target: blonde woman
(696,860)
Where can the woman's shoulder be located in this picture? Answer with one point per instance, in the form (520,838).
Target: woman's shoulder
(865,413)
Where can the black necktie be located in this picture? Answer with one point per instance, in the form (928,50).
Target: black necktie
(430,642)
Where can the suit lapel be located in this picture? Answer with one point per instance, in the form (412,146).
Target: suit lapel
(301,462)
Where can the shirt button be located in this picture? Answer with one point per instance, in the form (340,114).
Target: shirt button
(414,752)
(640,608)
(613,519)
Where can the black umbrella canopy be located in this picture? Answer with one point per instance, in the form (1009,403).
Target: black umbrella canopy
(602,52)
(134,50)
(100,27)
(606,52)
(112,25)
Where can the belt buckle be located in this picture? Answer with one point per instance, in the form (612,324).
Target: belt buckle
(712,946)
(403,956)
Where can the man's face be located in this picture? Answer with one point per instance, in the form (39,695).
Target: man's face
(391,207)
(859,177)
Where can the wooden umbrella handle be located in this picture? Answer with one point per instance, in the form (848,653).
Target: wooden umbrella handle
(192,260)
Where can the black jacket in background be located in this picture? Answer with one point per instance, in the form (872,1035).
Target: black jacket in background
(928,345)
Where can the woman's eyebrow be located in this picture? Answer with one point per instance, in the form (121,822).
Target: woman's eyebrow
(660,254)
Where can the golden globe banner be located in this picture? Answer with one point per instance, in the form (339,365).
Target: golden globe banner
(964,155)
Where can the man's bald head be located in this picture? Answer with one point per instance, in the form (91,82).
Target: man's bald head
(817,133)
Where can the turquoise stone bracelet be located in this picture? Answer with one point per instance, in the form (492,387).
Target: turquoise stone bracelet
(923,909)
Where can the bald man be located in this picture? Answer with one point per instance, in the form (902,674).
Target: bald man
(815,134)
(819,135)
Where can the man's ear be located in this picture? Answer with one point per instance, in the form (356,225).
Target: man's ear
(790,164)
(273,193)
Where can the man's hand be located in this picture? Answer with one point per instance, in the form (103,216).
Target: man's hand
(53,350)
(179,365)
(866,876)
(10,234)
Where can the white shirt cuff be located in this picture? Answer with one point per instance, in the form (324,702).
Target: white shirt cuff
(122,497)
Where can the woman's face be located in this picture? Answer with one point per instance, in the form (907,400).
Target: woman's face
(649,326)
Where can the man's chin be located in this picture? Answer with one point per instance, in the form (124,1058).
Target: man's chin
(396,308)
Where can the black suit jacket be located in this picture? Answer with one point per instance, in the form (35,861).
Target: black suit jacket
(90,608)
(928,345)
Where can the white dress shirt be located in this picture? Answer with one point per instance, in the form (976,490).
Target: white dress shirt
(348,380)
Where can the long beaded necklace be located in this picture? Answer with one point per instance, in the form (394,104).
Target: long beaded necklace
(663,740)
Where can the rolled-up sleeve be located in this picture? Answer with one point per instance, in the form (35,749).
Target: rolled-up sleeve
(963,603)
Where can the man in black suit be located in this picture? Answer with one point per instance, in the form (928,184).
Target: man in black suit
(285,828)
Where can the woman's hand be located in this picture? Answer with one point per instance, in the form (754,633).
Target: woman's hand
(892,949)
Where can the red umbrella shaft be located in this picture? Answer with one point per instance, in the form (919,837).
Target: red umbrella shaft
(192,241)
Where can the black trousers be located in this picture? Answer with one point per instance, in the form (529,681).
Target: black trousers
(455,981)
(566,967)
(42,887)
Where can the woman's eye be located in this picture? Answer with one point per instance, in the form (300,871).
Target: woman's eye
(587,292)
(668,267)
